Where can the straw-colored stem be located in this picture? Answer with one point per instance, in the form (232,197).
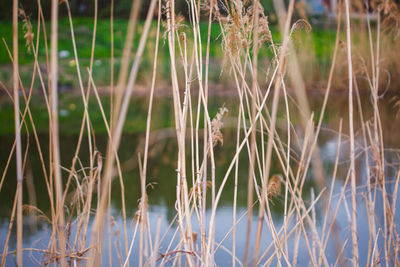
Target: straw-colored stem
(114,143)
(60,221)
(275,101)
(253,132)
(126,55)
(352,146)
(17,132)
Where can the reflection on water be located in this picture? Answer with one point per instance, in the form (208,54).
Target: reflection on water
(162,177)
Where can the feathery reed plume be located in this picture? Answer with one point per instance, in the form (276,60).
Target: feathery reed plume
(216,125)
(238,27)
(27,27)
(299,25)
(391,15)
(274,185)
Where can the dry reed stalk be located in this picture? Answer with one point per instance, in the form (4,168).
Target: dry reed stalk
(48,179)
(287,170)
(115,142)
(27,100)
(325,99)
(328,85)
(152,260)
(12,217)
(29,43)
(340,253)
(140,215)
(26,110)
(143,212)
(205,131)
(241,108)
(392,225)
(241,90)
(171,28)
(300,90)
(240,72)
(109,228)
(200,170)
(111,116)
(289,173)
(302,180)
(211,133)
(298,185)
(3,176)
(86,121)
(240,94)
(208,138)
(267,164)
(378,143)
(60,221)
(368,198)
(17,133)
(328,200)
(352,146)
(125,59)
(23,122)
(180,125)
(172,239)
(236,155)
(254,129)
(304,104)
(115,152)
(299,224)
(235,191)
(91,142)
(112,59)
(82,224)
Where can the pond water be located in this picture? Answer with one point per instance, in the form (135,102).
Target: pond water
(162,194)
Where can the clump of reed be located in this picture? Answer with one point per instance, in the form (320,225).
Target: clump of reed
(79,196)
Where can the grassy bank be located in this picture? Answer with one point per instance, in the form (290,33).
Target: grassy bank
(314,46)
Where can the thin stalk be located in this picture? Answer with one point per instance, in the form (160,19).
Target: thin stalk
(152,261)
(10,225)
(112,59)
(267,166)
(60,221)
(180,125)
(111,116)
(352,146)
(253,131)
(115,142)
(17,132)
(148,124)
(126,55)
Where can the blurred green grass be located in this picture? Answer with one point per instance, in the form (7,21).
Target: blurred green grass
(319,42)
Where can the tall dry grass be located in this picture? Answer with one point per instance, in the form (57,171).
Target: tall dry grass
(77,236)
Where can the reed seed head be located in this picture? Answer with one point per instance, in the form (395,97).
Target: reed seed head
(274,185)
